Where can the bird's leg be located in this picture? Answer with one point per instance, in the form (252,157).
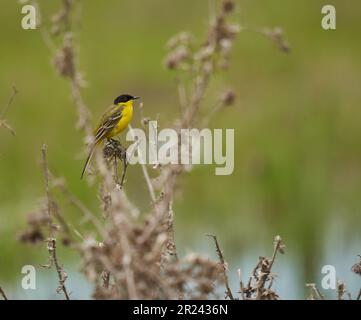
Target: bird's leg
(116,169)
(125,164)
(115,143)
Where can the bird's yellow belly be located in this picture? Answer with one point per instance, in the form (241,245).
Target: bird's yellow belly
(127,116)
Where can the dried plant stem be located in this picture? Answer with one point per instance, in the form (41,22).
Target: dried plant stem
(9,103)
(106,279)
(145,171)
(51,239)
(204,71)
(61,274)
(315,293)
(277,246)
(2,293)
(224,267)
(125,165)
(47,190)
(241,285)
(266,268)
(182,95)
(201,84)
(3,122)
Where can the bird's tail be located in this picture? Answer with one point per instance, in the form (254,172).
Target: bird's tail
(87,162)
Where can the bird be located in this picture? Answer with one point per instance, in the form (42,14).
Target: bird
(114,120)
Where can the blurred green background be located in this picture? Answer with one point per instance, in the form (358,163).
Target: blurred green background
(297,122)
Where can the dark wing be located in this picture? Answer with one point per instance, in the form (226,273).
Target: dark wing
(108,122)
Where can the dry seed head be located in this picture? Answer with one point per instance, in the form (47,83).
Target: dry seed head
(64,59)
(228,6)
(228,97)
(356,268)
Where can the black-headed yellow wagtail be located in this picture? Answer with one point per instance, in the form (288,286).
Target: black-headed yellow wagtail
(113,122)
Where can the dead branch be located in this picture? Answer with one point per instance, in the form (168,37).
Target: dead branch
(315,294)
(62,276)
(224,267)
(51,241)
(2,293)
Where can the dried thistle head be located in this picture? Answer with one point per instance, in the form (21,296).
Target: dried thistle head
(228,6)
(61,20)
(228,97)
(32,236)
(277,36)
(37,222)
(279,245)
(64,58)
(113,149)
(177,59)
(179,52)
(269,294)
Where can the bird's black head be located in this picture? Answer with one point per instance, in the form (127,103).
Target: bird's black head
(124,98)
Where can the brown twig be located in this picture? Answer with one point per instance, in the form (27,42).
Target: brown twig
(2,293)
(62,276)
(261,274)
(3,122)
(276,35)
(315,294)
(224,267)
(9,103)
(125,165)
(241,285)
(47,190)
(341,290)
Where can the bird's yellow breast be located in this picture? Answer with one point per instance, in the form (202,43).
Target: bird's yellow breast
(127,115)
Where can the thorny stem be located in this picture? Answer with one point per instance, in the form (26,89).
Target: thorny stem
(278,242)
(266,273)
(61,274)
(224,266)
(51,239)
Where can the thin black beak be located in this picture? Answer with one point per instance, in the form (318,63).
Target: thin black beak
(136,97)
